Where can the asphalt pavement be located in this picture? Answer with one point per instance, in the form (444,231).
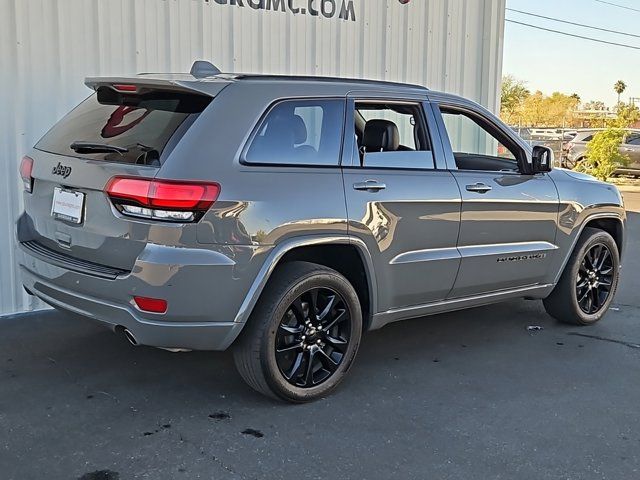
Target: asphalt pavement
(467,395)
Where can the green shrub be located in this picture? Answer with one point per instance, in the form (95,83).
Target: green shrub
(603,155)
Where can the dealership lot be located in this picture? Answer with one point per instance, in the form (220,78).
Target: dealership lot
(472,394)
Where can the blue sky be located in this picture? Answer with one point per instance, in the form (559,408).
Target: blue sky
(550,62)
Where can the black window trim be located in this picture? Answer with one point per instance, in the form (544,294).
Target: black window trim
(420,103)
(258,125)
(492,127)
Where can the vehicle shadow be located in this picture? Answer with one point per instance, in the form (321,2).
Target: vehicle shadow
(54,347)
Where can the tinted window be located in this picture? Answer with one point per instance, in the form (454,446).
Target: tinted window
(633,140)
(392,135)
(299,132)
(140,126)
(476,146)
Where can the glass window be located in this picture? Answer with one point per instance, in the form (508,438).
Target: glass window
(633,140)
(476,147)
(299,132)
(123,128)
(392,135)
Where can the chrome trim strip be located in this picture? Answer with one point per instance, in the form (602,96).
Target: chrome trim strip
(427,255)
(505,249)
(452,253)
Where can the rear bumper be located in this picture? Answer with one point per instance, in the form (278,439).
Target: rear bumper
(201,286)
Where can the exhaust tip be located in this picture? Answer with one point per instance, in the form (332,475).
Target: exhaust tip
(130,337)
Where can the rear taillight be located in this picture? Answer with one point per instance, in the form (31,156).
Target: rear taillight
(162,199)
(26,170)
(153,305)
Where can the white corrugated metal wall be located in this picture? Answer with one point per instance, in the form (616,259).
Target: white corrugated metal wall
(47,47)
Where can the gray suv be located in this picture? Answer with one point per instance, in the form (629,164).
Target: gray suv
(285,216)
(576,150)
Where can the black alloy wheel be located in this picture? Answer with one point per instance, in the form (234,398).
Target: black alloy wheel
(303,335)
(587,286)
(595,279)
(313,337)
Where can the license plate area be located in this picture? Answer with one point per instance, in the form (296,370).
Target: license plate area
(67,205)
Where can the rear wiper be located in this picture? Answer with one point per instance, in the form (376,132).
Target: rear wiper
(90,147)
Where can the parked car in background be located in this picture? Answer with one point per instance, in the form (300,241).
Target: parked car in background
(284,216)
(576,150)
(552,134)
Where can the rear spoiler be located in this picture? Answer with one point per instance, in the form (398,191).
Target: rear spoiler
(135,84)
(188,83)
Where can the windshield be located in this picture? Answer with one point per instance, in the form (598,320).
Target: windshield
(124,128)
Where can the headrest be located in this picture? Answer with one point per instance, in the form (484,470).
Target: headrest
(288,129)
(299,130)
(381,136)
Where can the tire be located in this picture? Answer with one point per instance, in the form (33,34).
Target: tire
(585,292)
(285,331)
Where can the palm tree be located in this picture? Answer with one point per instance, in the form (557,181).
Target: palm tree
(619,88)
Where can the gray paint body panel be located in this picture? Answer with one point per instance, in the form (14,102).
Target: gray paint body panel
(427,244)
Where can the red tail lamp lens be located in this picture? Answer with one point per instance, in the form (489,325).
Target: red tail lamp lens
(164,194)
(152,305)
(26,170)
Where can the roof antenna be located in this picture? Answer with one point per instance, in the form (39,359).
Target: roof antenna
(202,69)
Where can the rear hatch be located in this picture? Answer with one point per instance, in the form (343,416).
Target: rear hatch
(127,129)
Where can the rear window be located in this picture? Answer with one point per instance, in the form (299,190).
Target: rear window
(124,128)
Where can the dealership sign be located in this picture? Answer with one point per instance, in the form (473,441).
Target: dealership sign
(342,9)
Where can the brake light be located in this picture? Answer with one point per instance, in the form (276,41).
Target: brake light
(125,88)
(162,199)
(26,170)
(152,305)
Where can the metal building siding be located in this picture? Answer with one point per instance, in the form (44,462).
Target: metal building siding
(47,47)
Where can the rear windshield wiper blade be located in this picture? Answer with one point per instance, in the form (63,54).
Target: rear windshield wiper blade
(91,147)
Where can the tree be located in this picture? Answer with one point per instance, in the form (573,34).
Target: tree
(595,105)
(603,154)
(554,110)
(619,88)
(514,93)
(628,115)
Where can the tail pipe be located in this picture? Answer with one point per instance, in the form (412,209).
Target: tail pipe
(131,338)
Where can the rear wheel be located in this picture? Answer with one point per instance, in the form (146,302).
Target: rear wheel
(302,336)
(588,284)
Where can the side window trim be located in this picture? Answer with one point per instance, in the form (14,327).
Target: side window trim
(521,157)
(350,155)
(260,123)
(443,153)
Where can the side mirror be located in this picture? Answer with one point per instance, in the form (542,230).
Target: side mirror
(542,159)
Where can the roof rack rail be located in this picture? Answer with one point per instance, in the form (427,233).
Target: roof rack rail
(202,69)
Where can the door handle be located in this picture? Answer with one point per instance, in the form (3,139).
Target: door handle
(627,149)
(479,188)
(369,186)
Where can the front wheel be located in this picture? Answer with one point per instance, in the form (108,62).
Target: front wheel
(589,282)
(303,335)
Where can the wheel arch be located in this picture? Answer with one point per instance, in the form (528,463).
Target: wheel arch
(610,223)
(321,250)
